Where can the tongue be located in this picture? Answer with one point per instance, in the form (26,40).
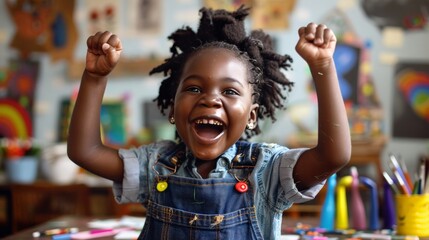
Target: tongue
(207,131)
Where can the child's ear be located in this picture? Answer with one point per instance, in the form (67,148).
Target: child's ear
(253,116)
(171,115)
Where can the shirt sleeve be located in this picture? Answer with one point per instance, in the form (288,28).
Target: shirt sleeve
(291,192)
(128,190)
(138,175)
(273,175)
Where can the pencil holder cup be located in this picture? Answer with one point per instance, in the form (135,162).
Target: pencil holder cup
(412,215)
(22,170)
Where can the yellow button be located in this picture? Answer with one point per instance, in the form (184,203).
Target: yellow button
(161,186)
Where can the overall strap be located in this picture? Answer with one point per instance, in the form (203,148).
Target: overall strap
(173,158)
(247,154)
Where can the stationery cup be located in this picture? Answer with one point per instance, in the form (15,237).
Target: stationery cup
(22,170)
(412,215)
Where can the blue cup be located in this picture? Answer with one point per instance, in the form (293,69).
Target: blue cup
(22,170)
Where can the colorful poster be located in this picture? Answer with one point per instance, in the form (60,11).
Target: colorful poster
(112,118)
(411,101)
(271,14)
(43,26)
(101,15)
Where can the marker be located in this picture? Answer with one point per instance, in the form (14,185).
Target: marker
(66,236)
(422,176)
(389,180)
(396,168)
(401,183)
(54,231)
(406,173)
(95,231)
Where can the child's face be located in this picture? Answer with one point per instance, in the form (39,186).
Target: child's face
(213,102)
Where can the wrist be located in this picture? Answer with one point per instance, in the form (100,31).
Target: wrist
(321,65)
(93,76)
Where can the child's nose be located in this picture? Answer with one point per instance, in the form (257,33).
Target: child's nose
(211,100)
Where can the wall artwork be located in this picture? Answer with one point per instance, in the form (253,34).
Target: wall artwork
(411,101)
(346,58)
(43,26)
(271,14)
(101,15)
(113,124)
(405,14)
(17,86)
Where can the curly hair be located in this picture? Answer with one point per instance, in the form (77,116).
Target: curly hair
(223,29)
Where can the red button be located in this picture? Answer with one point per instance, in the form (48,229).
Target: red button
(241,187)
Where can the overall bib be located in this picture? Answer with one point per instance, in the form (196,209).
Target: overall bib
(194,208)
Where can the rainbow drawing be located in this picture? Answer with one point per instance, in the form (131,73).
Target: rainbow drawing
(415,88)
(15,121)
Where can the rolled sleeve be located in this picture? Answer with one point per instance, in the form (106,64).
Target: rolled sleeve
(287,182)
(128,190)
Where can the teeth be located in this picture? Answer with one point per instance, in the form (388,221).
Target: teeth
(209,121)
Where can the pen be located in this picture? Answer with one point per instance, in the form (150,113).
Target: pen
(66,236)
(389,180)
(406,173)
(422,175)
(54,231)
(401,183)
(394,165)
(95,231)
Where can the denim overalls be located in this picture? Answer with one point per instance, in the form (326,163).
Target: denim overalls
(194,208)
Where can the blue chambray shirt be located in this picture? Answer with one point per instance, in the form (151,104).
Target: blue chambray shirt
(275,190)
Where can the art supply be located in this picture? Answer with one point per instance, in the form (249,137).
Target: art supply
(342,221)
(327,215)
(389,213)
(358,210)
(422,175)
(66,236)
(373,212)
(406,173)
(55,231)
(412,215)
(426,190)
(391,183)
(97,233)
(399,173)
(402,184)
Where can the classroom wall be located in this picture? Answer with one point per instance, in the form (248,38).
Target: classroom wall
(54,82)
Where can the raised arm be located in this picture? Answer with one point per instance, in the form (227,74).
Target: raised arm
(84,145)
(316,46)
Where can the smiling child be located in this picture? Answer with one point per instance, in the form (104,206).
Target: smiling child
(212,183)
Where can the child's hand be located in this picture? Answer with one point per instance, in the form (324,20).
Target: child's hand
(316,44)
(104,50)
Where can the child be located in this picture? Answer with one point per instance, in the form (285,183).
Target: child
(211,183)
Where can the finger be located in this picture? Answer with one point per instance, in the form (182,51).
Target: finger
(301,32)
(310,31)
(319,38)
(115,42)
(103,38)
(112,54)
(329,37)
(92,43)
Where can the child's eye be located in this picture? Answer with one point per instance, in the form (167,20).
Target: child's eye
(231,92)
(193,89)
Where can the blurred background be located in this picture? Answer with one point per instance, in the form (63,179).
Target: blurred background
(382,61)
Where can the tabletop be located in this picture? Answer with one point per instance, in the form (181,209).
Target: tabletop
(83,224)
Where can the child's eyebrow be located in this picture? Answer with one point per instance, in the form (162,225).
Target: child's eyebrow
(226,79)
(233,80)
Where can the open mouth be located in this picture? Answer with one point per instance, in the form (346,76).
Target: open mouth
(208,128)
